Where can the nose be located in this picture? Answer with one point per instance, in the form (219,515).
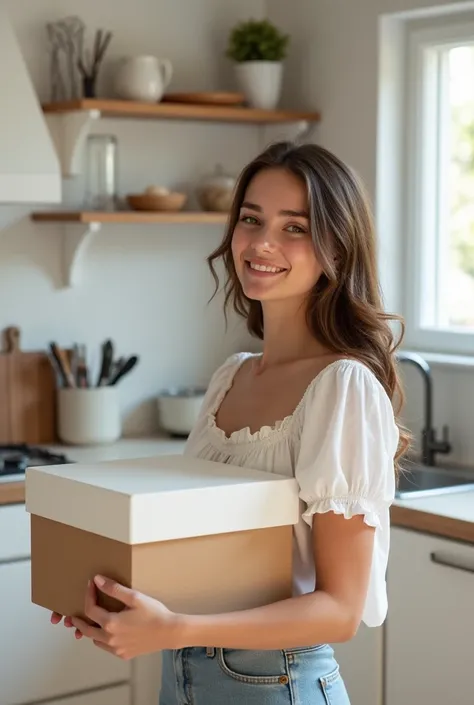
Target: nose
(264,240)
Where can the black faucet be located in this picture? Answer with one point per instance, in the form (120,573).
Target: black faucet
(430,445)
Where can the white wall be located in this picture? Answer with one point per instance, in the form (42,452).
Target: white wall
(146,287)
(334,65)
(336,50)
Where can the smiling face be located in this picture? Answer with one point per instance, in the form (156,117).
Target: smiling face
(272,248)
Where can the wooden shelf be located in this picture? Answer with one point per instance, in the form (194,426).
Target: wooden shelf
(79,228)
(72,121)
(180,111)
(137,217)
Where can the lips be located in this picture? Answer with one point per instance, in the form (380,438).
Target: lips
(264,267)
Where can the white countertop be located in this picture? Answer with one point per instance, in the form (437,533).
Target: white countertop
(458,505)
(141,447)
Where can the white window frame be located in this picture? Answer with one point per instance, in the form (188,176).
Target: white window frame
(423,137)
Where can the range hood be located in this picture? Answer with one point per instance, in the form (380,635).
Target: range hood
(29,167)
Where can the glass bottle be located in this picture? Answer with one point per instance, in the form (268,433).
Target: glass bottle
(101,173)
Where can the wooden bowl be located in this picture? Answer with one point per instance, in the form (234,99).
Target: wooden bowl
(155,202)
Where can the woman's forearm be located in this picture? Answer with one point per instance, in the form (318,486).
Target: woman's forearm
(310,619)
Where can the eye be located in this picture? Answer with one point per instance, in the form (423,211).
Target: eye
(296,229)
(249,219)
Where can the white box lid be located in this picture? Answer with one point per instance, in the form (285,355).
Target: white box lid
(161,498)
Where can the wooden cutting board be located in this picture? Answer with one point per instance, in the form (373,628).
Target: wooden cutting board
(28,394)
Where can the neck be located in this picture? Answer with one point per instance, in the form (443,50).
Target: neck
(286,334)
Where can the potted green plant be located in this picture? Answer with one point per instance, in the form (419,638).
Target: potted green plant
(258,49)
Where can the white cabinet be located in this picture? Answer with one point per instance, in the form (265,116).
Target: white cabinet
(430,625)
(361,662)
(120,695)
(40,661)
(14,532)
(147,679)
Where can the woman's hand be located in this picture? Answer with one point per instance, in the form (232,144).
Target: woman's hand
(144,626)
(56,619)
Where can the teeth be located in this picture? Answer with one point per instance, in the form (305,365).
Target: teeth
(263,268)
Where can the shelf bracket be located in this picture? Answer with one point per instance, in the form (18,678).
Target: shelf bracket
(69,132)
(76,240)
(298,132)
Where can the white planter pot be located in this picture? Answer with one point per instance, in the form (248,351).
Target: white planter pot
(260,82)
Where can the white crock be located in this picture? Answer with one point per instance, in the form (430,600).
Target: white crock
(143,78)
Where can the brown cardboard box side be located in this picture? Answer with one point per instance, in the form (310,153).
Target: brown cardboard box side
(223,572)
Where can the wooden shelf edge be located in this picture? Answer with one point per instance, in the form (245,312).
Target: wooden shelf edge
(435,524)
(181,111)
(132,217)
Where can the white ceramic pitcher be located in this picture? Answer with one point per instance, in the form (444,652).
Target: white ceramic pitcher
(143,78)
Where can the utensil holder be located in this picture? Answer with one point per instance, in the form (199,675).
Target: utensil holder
(89,416)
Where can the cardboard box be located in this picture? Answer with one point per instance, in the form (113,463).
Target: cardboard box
(200,536)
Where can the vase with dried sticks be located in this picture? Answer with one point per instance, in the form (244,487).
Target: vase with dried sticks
(89,65)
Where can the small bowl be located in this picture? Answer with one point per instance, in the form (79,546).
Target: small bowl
(156,202)
(179,409)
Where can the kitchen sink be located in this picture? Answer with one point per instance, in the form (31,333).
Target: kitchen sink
(423,481)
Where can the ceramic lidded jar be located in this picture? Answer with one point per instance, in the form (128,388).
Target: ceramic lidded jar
(143,78)
(215,192)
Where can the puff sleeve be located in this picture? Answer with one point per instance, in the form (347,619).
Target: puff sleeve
(348,442)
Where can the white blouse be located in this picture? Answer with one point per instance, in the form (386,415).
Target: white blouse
(339,443)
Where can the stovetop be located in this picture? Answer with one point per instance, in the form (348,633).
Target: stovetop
(16,457)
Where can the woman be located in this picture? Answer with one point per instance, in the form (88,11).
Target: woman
(316,404)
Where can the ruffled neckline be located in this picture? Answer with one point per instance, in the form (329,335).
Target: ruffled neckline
(244,435)
(265,433)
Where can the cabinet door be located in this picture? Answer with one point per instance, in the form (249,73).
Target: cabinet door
(361,662)
(147,679)
(430,625)
(40,661)
(120,695)
(14,532)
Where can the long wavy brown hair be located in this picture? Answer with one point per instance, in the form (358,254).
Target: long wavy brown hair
(345,311)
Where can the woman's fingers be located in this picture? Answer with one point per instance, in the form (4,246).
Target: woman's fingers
(56,617)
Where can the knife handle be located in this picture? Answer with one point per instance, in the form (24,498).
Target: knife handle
(63,364)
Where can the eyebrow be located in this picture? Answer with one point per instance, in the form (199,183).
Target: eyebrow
(291,213)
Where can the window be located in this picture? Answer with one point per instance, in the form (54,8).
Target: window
(440,189)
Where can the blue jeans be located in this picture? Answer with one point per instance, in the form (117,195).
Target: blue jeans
(303,676)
